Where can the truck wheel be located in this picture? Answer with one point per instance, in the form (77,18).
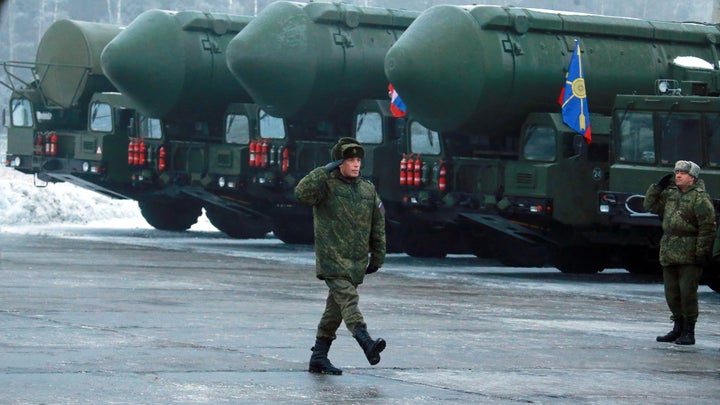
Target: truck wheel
(293,233)
(638,262)
(237,225)
(713,282)
(170,214)
(394,238)
(512,255)
(421,244)
(580,260)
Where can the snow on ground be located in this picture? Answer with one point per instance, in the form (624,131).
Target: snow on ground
(22,204)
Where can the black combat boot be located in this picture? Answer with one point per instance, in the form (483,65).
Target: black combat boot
(674,334)
(319,363)
(372,348)
(688,334)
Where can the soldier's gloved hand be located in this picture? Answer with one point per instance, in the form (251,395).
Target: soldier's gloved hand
(664,181)
(371,269)
(333,165)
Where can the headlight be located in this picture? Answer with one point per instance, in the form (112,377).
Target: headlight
(16,161)
(221,182)
(85,167)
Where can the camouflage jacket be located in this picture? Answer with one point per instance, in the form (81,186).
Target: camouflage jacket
(349,222)
(688,223)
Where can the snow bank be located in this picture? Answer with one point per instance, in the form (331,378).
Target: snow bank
(21,203)
(24,205)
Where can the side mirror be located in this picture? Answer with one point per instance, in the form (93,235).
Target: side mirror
(579,145)
(398,129)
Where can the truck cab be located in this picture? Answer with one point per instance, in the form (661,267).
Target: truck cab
(253,172)
(651,133)
(406,162)
(84,147)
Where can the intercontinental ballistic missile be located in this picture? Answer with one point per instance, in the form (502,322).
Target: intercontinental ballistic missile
(69,75)
(486,67)
(313,60)
(172,64)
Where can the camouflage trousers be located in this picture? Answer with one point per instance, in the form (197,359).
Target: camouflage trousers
(681,290)
(341,305)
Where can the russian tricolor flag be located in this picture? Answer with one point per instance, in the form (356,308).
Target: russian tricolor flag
(397,107)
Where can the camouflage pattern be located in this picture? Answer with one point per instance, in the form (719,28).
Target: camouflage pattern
(681,286)
(341,304)
(688,223)
(716,245)
(349,222)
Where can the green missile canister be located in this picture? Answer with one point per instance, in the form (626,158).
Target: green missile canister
(316,59)
(487,67)
(68,61)
(172,64)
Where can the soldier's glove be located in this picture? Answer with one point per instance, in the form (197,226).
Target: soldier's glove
(371,269)
(333,165)
(664,181)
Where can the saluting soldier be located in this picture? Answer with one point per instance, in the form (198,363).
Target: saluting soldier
(349,221)
(688,223)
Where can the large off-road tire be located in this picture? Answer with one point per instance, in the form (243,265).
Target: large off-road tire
(580,260)
(642,262)
(171,214)
(425,244)
(522,256)
(713,282)
(394,238)
(294,232)
(237,225)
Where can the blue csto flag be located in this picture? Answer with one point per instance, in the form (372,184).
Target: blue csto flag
(573,98)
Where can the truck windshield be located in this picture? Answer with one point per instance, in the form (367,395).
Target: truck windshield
(150,128)
(423,140)
(237,129)
(21,112)
(540,144)
(271,127)
(636,143)
(368,127)
(100,117)
(680,137)
(713,142)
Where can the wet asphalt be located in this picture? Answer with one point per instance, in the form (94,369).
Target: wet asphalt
(120,319)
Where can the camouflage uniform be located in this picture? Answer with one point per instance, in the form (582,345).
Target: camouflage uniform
(349,222)
(688,231)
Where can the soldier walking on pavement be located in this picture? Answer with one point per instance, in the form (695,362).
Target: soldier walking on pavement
(349,221)
(688,223)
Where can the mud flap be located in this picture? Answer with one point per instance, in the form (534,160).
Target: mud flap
(502,226)
(232,205)
(513,244)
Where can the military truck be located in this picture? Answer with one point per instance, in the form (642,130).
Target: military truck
(430,214)
(66,121)
(242,162)
(55,93)
(336,54)
(495,72)
(87,148)
(172,65)
(69,123)
(650,133)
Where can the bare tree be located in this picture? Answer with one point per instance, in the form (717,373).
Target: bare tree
(11,28)
(114,13)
